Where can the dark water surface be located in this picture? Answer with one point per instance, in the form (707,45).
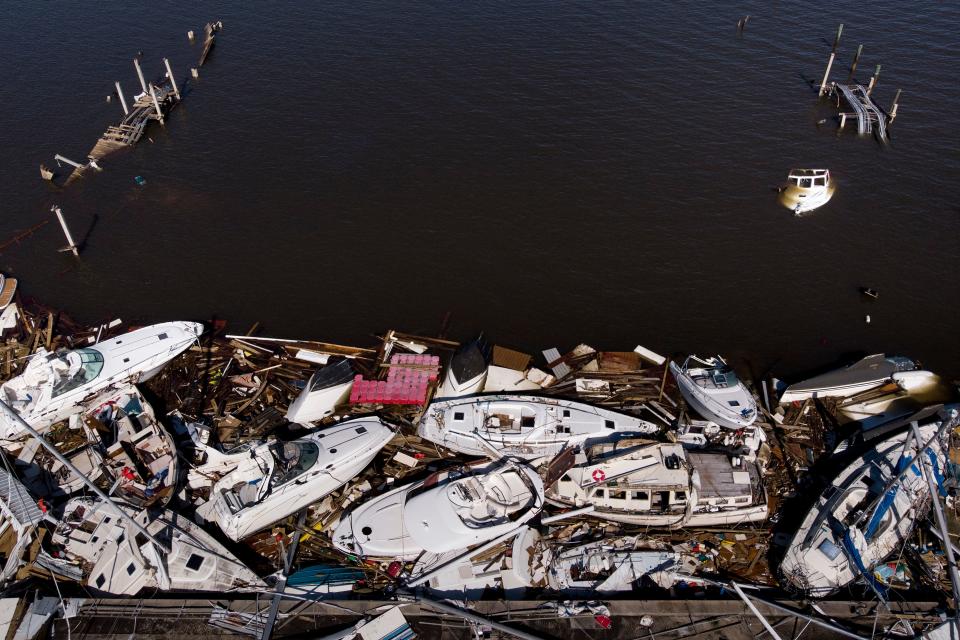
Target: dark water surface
(548,172)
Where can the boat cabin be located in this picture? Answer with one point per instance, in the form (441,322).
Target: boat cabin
(809,178)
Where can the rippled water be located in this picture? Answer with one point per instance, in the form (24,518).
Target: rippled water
(548,172)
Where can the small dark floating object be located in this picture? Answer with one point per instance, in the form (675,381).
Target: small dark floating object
(870,293)
(140,180)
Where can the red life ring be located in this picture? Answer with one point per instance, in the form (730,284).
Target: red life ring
(599,475)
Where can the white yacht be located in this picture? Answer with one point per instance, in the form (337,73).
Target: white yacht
(325,390)
(55,385)
(467,371)
(867,513)
(262,485)
(447,511)
(711,387)
(94,546)
(529,427)
(661,485)
(863,375)
(806,190)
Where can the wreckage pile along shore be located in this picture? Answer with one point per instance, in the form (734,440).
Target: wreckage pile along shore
(180,458)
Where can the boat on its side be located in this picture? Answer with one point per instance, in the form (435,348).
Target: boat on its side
(447,511)
(865,374)
(325,390)
(867,513)
(55,385)
(712,388)
(271,481)
(662,485)
(807,189)
(94,546)
(528,427)
(467,371)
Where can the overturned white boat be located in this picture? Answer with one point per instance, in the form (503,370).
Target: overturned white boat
(806,190)
(866,514)
(54,385)
(269,482)
(711,387)
(94,546)
(605,566)
(326,388)
(467,370)
(529,427)
(447,511)
(863,375)
(662,485)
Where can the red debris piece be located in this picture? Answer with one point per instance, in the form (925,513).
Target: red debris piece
(393,570)
(603,621)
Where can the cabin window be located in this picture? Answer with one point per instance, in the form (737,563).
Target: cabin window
(618,495)
(680,496)
(100,580)
(361,430)
(598,493)
(84,365)
(609,424)
(131,568)
(806,182)
(528,421)
(194,562)
(292,459)
(566,413)
(566,478)
(819,181)
(562,429)
(743,500)
(458,416)
(94,538)
(639,495)
(733,403)
(829,549)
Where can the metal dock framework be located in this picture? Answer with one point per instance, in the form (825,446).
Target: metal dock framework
(868,114)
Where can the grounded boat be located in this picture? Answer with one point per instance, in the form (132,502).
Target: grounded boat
(267,483)
(806,190)
(467,371)
(864,515)
(661,485)
(863,375)
(326,388)
(8,287)
(448,511)
(605,566)
(712,388)
(529,427)
(92,545)
(55,385)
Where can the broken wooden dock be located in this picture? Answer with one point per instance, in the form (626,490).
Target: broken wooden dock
(131,128)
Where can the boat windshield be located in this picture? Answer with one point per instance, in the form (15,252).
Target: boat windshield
(724,378)
(293,459)
(81,366)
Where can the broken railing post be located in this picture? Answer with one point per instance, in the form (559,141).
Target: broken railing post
(893,107)
(156,105)
(837,39)
(856,59)
(873,80)
(143,83)
(826,75)
(71,246)
(123,101)
(173,82)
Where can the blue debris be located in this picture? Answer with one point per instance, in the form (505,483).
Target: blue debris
(140,180)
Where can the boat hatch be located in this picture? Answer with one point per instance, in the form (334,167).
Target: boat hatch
(829,549)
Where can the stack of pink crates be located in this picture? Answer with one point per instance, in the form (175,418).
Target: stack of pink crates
(407,381)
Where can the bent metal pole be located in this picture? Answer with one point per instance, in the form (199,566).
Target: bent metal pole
(13,415)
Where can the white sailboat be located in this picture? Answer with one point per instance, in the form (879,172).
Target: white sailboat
(662,485)
(54,385)
(863,375)
(529,427)
(865,514)
(448,511)
(711,387)
(269,482)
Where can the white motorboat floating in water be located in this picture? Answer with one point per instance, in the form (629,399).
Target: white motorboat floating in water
(262,485)
(866,514)
(467,371)
(529,427)
(325,390)
(712,388)
(447,511)
(806,190)
(863,375)
(55,385)
(94,546)
(661,485)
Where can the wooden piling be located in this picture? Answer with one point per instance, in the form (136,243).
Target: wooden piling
(873,80)
(826,75)
(190,35)
(123,101)
(71,246)
(893,107)
(173,82)
(856,59)
(837,40)
(143,83)
(194,73)
(156,105)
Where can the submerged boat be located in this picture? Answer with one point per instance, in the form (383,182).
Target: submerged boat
(529,427)
(661,485)
(94,546)
(269,482)
(867,513)
(467,371)
(55,385)
(863,375)
(712,388)
(447,511)
(806,190)
(326,388)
